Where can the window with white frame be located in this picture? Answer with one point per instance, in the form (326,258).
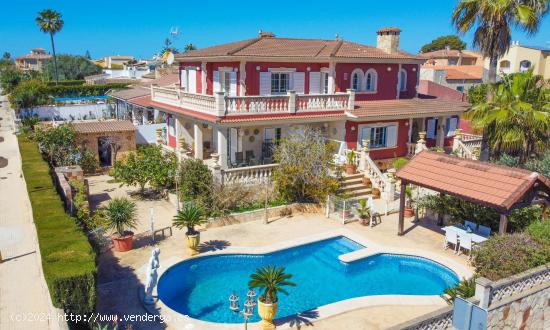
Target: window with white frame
(280,82)
(402,80)
(371,80)
(380,136)
(324,82)
(356,78)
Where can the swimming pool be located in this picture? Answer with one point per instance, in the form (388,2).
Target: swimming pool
(200,287)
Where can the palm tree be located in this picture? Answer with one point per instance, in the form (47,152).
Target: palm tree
(189,47)
(464,289)
(121,215)
(50,21)
(271,279)
(189,216)
(516,119)
(493,21)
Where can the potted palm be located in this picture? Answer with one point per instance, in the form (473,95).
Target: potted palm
(350,162)
(364,212)
(271,280)
(409,211)
(120,216)
(189,216)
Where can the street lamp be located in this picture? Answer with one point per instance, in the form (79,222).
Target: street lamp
(249,305)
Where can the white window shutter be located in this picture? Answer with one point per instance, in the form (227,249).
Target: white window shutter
(265,83)
(391,136)
(183,78)
(192,81)
(315,83)
(299,80)
(430,134)
(233,84)
(365,135)
(453,122)
(217,85)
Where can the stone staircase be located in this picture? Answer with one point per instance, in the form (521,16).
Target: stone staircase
(353,186)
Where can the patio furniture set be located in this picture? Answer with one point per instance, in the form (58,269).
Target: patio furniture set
(466,237)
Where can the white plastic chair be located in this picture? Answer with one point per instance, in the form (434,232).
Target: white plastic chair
(465,243)
(451,238)
(484,231)
(471,224)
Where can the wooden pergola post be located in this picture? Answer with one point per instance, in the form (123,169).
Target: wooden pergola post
(503,224)
(401,224)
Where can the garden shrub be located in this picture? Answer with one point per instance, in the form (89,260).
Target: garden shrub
(80,201)
(88,161)
(196,183)
(68,259)
(505,255)
(237,198)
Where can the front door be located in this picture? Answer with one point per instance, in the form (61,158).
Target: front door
(104,151)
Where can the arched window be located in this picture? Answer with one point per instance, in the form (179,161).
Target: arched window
(371,80)
(356,79)
(524,65)
(505,64)
(402,80)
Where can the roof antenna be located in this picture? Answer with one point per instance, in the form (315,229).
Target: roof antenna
(337,36)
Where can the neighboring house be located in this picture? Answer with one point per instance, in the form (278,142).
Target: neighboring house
(32,61)
(521,58)
(449,57)
(238,100)
(103,137)
(458,77)
(116,62)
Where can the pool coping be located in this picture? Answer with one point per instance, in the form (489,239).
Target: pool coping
(172,317)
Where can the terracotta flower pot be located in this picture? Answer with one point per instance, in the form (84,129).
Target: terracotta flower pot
(367,182)
(123,243)
(409,212)
(267,312)
(192,243)
(375,193)
(364,221)
(350,169)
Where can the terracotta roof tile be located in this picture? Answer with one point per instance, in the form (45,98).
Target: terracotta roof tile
(444,53)
(299,48)
(103,126)
(495,186)
(409,108)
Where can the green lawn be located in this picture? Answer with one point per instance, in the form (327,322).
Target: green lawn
(68,259)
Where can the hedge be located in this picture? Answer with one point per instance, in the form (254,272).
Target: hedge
(82,90)
(68,259)
(66,83)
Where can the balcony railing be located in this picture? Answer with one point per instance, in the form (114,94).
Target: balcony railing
(221,105)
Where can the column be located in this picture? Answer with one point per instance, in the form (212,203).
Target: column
(222,146)
(177,134)
(503,224)
(242,78)
(440,136)
(197,132)
(203,77)
(331,78)
(410,130)
(401,225)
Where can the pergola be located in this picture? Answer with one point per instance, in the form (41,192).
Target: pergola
(501,188)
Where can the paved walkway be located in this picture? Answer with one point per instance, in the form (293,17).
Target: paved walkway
(23,291)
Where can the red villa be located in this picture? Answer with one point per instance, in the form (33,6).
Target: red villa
(236,100)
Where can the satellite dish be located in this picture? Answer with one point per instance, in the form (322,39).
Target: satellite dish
(170,58)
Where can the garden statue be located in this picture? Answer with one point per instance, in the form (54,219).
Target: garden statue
(152,276)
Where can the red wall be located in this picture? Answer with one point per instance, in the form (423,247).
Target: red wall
(197,65)
(253,75)
(412,79)
(402,138)
(387,80)
(214,66)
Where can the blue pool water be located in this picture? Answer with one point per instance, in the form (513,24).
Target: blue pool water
(200,287)
(96,97)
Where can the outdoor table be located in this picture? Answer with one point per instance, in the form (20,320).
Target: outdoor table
(458,229)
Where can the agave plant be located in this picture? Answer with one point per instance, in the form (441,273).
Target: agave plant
(464,289)
(189,216)
(121,215)
(271,280)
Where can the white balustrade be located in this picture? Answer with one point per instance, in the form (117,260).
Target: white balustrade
(256,104)
(373,172)
(321,102)
(200,102)
(248,175)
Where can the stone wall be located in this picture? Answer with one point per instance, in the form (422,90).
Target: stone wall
(126,141)
(527,310)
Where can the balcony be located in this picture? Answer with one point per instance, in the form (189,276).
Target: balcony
(221,105)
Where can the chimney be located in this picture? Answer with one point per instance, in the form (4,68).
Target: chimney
(388,39)
(266,34)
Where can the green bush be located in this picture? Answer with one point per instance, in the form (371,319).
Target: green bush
(196,183)
(67,257)
(82,90)
(506,255)
(80,201)
(66,83)
(88,161)
(540,231)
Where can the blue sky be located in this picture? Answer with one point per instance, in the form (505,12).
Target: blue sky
(139,27)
